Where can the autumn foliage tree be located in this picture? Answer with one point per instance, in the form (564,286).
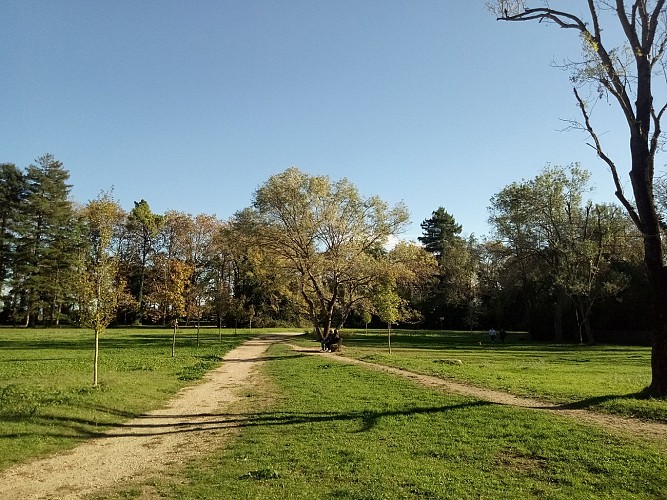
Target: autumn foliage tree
(327,235)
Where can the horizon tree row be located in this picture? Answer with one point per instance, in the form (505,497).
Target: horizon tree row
(312,250)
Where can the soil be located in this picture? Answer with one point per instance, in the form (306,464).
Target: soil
(195,421)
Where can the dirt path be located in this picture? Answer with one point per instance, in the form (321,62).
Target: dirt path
(190,424)
(654,432)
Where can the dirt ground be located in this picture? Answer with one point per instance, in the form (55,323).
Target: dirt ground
(195,421)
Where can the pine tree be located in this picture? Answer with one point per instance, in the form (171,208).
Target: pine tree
(12,194)
(439,232)
(46,244)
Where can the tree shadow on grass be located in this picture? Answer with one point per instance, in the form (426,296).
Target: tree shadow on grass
(165,424)
(264,358)
(595,402)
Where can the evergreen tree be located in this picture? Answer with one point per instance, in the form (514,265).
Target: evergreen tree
(455,288)
(46,244)
(12,194)
(440,231)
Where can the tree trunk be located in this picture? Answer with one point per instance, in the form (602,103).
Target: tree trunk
(558,319)
(96,356)
(641,176)
(389,336)
(589,332)
(658,385)
(173,341)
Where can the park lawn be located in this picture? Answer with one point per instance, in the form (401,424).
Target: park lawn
(604,378)
(48,404)
(333,430)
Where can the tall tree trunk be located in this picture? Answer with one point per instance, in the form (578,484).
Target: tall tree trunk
(641,176)
(558,318)
(589,332)
(658,385)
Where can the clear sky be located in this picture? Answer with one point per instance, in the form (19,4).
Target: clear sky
(192,105)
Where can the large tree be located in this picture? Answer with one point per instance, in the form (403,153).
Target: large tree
(559,239)
(439,232)
(328,236)
(626,72)
(143,228)
(46,243)
(453,294)
(12,196)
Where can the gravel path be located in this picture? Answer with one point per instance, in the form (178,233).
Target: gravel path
(191,423)
(194,422)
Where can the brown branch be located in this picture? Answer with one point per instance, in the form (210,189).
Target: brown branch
(654,18)
(628,27)
(556,16)
(656,131)
(594,16)
(566,20)
(612,166)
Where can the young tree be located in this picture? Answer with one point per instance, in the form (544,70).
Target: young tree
(387,303)
(415,272)
(627,73)
(99,287)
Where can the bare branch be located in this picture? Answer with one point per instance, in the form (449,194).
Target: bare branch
(562,19)
(655,138)
(612,166)
(654,20)
(596,23)
(613,81)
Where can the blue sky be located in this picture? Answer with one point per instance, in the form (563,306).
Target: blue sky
(192,105)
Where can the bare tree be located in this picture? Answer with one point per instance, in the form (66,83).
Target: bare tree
(627,72)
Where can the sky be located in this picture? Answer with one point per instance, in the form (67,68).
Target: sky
(193,105)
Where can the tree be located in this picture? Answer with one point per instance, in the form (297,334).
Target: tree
(387,303)
(12,197)
(198,242)
(560,240)
(627,73)
(415,273)
(143,227)
(327,236)
(46,244)
(453,293)
(100,288)
(440,232)
(220,272)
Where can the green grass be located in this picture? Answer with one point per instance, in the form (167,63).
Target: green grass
(603,378)
(47,402)
(336,431)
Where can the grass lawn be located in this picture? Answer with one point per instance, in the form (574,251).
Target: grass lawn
(47,402)
(336,431)
(602,378)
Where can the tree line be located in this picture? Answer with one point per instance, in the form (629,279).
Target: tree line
(310,251)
